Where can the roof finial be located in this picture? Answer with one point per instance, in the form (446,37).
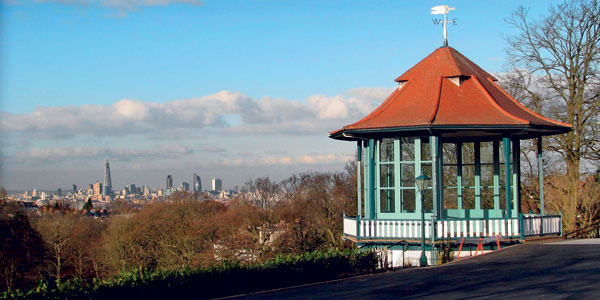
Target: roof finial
(443,9)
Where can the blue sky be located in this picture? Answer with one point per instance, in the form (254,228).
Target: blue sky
(229,89)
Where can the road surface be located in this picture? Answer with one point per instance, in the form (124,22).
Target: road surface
(564,270)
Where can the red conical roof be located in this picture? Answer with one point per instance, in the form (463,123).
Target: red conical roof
(448,93)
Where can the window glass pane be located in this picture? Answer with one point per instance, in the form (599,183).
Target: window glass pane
(502,198)
(468,198)
(449,153)
(408,175)
(449,175)
(486,153)
(468,153)
(487,198)
(407,149)
(502,176)
(387,200)
(425,149)
(468,176)
(450,199)
(487,175)
(426,169)
(408,199)
(386,175)
(501,151)
(386,150)
(428,200)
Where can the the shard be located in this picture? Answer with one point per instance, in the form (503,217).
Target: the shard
(107,180)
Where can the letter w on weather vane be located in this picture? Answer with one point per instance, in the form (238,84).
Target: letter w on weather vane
(443,10)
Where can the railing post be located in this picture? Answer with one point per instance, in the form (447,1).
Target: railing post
(357,228)
(521,228)
(560,223)
(432,232)
(541,225)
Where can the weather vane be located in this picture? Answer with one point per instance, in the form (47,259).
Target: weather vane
(439,10)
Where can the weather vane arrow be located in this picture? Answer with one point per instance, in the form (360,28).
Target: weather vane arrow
(443,10)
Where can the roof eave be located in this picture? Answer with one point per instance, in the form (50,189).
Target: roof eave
(522,131)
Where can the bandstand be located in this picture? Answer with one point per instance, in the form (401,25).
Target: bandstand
(449,121)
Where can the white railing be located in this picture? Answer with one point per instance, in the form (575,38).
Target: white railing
(541,225)
(453,228)
(350,227)
(393,228)
(477,228)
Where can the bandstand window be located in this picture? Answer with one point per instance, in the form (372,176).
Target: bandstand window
(467,176)
(474,175)
(487,176)
(387,194)
(407,173)
(450,175)
(427,170)
(400,160)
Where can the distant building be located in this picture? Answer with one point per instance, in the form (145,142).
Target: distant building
(131,188)
(74,189)
(185,186)
(107,179)
(217,184)
(197,187)
(59,192)
(169,182)
(97,188)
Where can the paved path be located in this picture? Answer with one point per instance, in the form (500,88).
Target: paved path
(551,271)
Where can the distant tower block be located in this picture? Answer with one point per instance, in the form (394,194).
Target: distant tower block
(74,189)
(197,184)
(107,180)
(97,188)
(217,184)
(169,182)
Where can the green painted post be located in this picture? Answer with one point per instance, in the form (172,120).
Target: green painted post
(516,170)
(496,156)
(477,177)
(437,180)
(541,174)
(459,179)
(423,260)
(507,189)
(372,179)
(358,176)
(419,205)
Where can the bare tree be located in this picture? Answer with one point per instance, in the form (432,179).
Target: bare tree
(57,230)
(263,191)
(556,62)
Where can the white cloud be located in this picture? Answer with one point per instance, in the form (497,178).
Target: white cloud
(119,153)
(222,132)
(132,109)
(286,160)
(318,115)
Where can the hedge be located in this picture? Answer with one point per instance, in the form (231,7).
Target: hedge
(225,279)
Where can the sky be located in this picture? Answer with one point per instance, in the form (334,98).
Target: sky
(227,89)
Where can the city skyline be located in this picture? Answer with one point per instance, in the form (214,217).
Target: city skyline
(230,89)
